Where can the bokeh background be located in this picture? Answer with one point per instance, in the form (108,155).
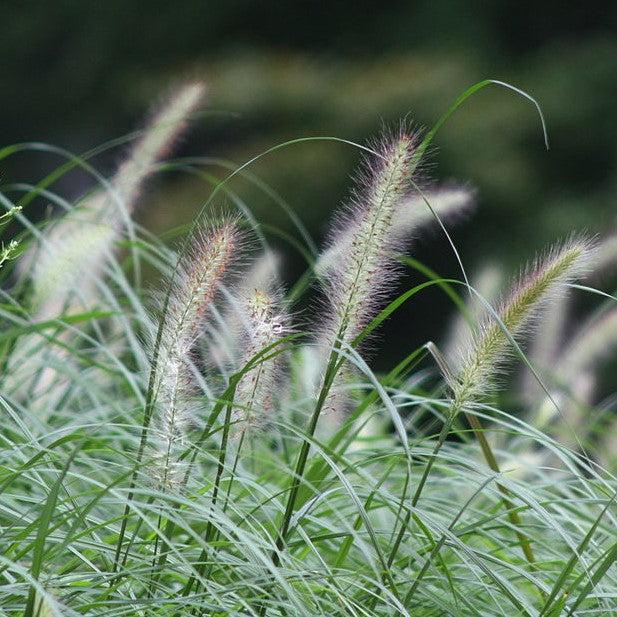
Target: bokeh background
(77,74)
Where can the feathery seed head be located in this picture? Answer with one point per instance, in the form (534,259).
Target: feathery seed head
(363,272)
(198,279)
(75,249)
(158,138)
(412,215)
(74,256)
(489,348)
(265,323)
(450,202)
(195,287)
(224,348)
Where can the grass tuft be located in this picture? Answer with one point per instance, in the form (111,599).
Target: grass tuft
(175,455)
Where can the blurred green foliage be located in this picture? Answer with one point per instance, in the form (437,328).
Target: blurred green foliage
(77,74)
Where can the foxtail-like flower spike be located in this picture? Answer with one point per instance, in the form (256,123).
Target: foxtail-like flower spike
(74,256)
(194,288)
(226,341)
(75,249)
(163,130)
(73,252)
(266,323)
(365,271)
(488,350)
(552,354)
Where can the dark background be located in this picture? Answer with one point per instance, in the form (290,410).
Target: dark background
(77,74)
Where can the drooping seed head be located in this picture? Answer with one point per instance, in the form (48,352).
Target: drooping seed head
(73,251)
(487,350)
(157,140)
(74,254)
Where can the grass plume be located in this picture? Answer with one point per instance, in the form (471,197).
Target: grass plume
(487,351)
(74,250)
(489,348)
(266,323)
(355,289)
(72,253)
(195,287)
(450,203)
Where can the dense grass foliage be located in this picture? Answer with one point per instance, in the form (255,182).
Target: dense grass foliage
(210,449)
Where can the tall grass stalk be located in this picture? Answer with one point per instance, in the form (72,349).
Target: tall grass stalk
(360,280)
(489,348)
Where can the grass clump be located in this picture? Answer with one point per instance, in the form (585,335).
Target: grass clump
(215,450)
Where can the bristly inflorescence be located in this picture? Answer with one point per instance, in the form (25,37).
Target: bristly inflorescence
(574,370)
(265,323)
(75,249)
(571,361)
(164,129)
(195,286)
(226,340)
(366,270)
(66,266)
(490,347)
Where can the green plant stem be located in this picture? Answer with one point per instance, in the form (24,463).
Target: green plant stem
(513,515)
(301,464)
(445,430)
(149,409)
(303,457)
(217,482)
